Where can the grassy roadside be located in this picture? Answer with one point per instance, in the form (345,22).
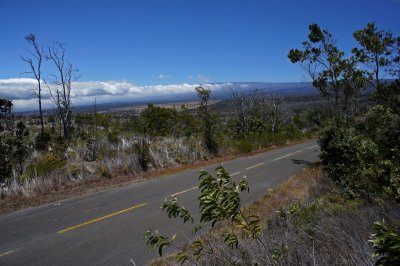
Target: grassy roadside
(306,221)
(94,185)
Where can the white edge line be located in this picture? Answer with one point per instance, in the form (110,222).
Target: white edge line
(309,148)
(9,252)
(276,159)
(253,166)
(181,192)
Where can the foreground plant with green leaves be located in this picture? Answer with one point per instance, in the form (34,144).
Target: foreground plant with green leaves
(219,202)
(386,244)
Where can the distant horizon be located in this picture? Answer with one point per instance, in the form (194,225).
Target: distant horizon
(107,92)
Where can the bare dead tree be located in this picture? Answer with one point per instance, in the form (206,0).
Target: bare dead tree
(245,104)
(271,109)
(93,140)
(238,98)
(34,62)
(62,84)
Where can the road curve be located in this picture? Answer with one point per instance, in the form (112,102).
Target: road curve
(107,228)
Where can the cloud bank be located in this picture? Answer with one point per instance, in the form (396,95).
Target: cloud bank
(21,92)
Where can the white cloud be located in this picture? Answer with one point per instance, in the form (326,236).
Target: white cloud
(163,76)
(21,91)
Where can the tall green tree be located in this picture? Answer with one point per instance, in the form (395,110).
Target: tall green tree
(379,52)
(335,77)
(376,48)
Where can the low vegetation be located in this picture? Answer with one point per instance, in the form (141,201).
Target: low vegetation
(102,147)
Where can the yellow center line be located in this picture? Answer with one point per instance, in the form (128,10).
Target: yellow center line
(8,252)
(100,218)
(184,191)
(254,166)
(286,155)
(309,148)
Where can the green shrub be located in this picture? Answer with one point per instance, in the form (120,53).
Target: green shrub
(142,149)
(103,171)
(383,127)
(243,146)
(181,158)
(45,166)
(42,141)
(60,146)
(290,131)
(266,139)
(75,170)
(5,158)
(113,137)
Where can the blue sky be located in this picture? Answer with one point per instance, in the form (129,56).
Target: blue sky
(161,42)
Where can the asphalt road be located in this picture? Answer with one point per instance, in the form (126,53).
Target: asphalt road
(107,228)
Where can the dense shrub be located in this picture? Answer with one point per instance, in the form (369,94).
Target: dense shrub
(349,159)
(383,127)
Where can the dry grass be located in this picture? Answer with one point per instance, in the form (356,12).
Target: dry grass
(296,189)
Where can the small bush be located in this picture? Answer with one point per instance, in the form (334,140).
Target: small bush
(103,171)
(42,141)
(243,146)
(60,146)
(45,166)
(143,152)
(113,137)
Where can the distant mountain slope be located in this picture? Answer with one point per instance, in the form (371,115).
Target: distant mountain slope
(282,88)
(220,91)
